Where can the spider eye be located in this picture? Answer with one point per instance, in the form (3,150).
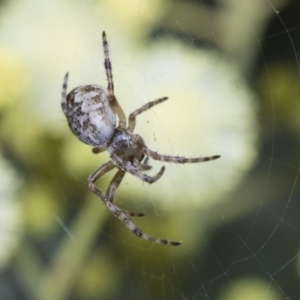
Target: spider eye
(89,115)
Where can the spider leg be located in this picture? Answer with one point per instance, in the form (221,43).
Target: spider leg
(64,93)
(117,212)
(132,116)
(100,149)
(178,159)
(142,165)
(114,104)
(114,184)
(100,172)
(146,161)
(127,166)
(135,230)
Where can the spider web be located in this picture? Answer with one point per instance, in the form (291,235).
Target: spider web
(231,71)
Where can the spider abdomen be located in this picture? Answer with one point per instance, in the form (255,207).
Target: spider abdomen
(89,115)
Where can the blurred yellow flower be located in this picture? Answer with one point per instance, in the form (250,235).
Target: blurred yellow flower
(13,79)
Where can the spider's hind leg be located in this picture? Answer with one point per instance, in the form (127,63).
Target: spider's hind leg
(115,106)
(64,93)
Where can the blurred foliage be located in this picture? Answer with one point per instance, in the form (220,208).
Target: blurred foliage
(281,92)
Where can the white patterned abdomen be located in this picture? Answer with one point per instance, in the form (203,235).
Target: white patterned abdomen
(89,115)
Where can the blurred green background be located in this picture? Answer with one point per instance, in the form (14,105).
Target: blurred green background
(231,71)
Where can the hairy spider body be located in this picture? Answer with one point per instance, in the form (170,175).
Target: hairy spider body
(91,114)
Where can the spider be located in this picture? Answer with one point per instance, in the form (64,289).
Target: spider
(91,114)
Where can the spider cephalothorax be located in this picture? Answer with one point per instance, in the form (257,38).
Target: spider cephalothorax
(91,113)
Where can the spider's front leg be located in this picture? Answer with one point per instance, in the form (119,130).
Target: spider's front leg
(142,165)
(114,184)
(108,197)
(96,175)
(135,230)
(122,215)
(127,166)
(117,212)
